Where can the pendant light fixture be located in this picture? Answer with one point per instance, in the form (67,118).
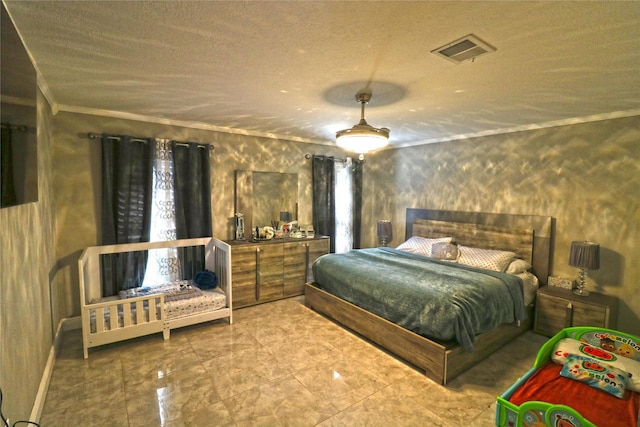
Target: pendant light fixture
(362,138)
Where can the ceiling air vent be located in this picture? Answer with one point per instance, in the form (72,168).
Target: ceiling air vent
(467,48)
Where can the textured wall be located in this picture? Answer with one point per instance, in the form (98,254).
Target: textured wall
(587,176)
(26,264)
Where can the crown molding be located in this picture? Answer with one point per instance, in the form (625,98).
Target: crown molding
(180,123)
(535,126)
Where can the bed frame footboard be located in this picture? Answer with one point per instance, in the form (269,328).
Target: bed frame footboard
(440,362)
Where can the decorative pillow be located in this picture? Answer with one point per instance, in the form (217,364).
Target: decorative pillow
(517,266)
(567,347)
(421,245)
(489,259)
(445,251)
(206,279)
(596,374)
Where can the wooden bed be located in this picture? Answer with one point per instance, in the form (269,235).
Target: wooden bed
(530,237)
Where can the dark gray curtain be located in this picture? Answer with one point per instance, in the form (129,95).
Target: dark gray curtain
(127,188)
(192,189)
(358,166)
(324,197)
(7,191)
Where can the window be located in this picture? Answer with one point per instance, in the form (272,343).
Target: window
(153,190)
(337,200)
(163,265)
(344,206)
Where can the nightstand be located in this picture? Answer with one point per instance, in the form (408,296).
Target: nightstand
(558,308)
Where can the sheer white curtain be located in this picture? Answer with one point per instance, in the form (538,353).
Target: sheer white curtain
(344,206)
(163,264)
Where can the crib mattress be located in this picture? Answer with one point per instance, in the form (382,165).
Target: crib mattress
(547,385)
(174,307)
(208,300)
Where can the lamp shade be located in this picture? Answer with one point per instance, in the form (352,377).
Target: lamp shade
(585,255)
(384,228)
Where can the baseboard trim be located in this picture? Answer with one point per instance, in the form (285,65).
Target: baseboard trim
(67,324)
(71,323)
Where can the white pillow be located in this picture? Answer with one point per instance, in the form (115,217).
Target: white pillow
(489,259)
(517,266)
(530,284)
(568,346)
(421,245)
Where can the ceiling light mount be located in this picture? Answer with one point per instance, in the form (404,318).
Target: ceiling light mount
(362,138)
(363,97)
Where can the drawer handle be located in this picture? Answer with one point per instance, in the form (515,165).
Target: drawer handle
(306,263)
(257,274)
(568,313)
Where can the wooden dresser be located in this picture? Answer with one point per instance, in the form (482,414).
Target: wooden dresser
(558,308)
(273,269)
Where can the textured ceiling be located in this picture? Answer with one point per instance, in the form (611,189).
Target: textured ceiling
(291,69)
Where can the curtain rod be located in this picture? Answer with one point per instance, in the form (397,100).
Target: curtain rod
(92,135)
(335,159)
(20,128)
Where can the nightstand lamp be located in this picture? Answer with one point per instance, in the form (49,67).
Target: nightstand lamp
(585,256)
(384,231)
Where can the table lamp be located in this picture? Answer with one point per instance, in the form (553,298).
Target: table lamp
(585,256)
(384,231)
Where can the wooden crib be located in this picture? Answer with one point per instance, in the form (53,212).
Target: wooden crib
(111,319)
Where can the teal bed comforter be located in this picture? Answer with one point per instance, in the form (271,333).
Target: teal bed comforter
(437,299)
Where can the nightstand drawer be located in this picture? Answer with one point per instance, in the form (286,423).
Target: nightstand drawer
(550,317)
(558,308)
(588,315)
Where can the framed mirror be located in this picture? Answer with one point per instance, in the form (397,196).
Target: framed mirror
(261,197)
(18,147)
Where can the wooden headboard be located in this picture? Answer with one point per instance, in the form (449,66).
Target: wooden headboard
(529,236)
(518,240)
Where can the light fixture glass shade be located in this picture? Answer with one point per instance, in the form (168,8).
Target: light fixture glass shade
(362,138)
(585,256)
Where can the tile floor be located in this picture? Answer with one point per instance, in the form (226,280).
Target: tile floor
(278,364)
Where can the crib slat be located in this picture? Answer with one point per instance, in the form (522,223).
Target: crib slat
(126,315)
(139,312)
(113,317)
(99,320)
(152,310)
